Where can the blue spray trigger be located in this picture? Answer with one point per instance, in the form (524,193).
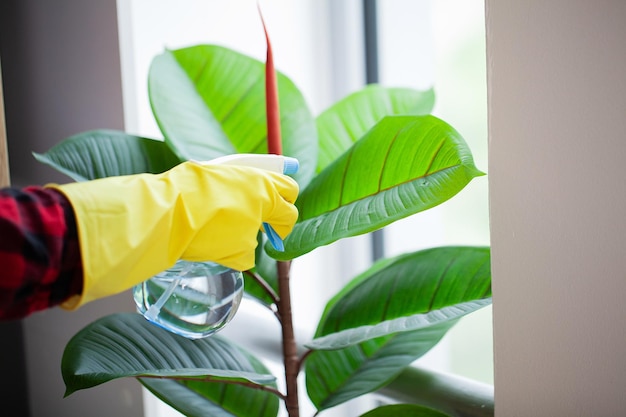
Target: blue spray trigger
(290,165)
(273,237)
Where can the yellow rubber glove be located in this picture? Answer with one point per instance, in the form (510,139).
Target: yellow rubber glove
(132,227)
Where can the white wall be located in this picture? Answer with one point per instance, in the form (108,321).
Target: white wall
(557,111)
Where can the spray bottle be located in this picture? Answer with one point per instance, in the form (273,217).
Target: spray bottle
(197,299)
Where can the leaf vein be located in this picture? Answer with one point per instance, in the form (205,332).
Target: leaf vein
(386,159)
(439,284)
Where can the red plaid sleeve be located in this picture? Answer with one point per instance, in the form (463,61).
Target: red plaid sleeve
(40,264)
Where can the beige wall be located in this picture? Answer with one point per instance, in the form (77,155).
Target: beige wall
(557,128)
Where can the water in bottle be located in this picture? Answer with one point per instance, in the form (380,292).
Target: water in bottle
(197,299)
(192,299)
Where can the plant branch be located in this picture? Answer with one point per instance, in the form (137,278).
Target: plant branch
(208,378)
(303,358)
(267,287)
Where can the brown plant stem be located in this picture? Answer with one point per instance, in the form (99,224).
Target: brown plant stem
(290,350)
(274,146)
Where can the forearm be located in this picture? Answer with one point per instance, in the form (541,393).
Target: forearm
(74,243)
(39,251)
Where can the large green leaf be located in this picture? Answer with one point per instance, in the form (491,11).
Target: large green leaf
(404,165)
(127,345)
(349,119)
(210,101)
(104,153)
(407,292)
(391,315)
(404,410)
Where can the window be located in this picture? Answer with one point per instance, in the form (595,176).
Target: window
(320,45)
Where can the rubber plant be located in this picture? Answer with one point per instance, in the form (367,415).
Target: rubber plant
(372,158)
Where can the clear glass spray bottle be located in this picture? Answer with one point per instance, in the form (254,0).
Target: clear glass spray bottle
(197,299)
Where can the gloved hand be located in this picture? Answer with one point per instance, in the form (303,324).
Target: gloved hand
(132,227)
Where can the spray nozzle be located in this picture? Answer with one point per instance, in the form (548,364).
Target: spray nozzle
(291,165)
